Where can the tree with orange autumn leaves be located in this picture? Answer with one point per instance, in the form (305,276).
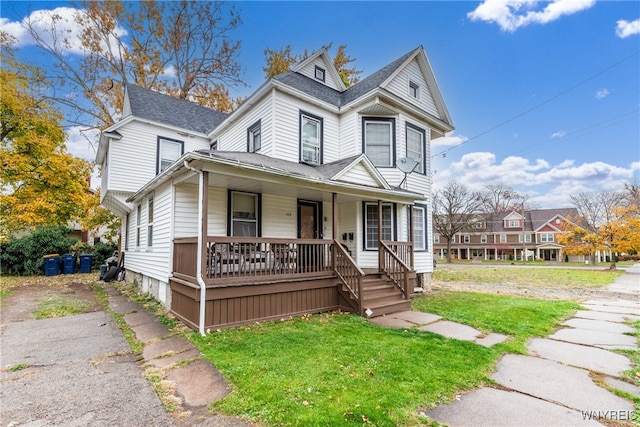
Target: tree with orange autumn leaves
(606,220)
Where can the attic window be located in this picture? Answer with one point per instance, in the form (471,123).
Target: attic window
(414,90)
(320,73)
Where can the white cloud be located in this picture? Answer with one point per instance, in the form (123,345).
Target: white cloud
(558,134)
(625,29)
(552,183)
(80,143)
(449,141)
(513,14)
(602,93)
(57,27)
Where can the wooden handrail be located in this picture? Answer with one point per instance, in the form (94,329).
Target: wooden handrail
(348,272)
(395,268)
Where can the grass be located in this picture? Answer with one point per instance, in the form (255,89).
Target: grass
(525,276)
(520,318)
(58,306)
(338,369)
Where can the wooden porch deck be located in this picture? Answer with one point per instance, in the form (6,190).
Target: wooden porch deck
(256,279)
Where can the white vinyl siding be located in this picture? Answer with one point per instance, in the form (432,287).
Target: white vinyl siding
(309,70)
(234,137)
(359,175)
(133,159)
(400,86)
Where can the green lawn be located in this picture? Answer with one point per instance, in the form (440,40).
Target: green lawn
(338,369)
(527,276)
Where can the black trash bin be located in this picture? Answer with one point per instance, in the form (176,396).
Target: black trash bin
(68,263)
(85,263)
(51,265)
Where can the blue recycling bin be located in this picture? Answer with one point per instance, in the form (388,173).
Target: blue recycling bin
(51,265)
(85,263)
(68,263)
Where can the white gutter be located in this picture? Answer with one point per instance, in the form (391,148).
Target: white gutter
(203,285)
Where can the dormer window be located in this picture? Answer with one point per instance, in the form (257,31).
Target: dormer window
(513,223)
(414,90)
(320,73)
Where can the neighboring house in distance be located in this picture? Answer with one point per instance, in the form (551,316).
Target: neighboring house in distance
(294,203)
(500,236)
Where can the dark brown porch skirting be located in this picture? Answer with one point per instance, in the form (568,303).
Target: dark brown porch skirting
(234,305)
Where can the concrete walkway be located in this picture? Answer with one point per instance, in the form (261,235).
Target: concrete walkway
(565,379)
(196,382)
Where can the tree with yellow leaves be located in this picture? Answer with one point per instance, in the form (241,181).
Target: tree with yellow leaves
(41,184)
(604,222)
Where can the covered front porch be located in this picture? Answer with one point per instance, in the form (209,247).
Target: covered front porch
(262,248)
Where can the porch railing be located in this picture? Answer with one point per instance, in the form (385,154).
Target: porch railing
(349,273)
(230,259)
(393,266)
(404,250)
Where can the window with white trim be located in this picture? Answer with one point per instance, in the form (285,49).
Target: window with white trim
(514,223)
(467,238)
(419,219)
(310,139)
(527,238)
(546,237)
(416,146)
(254,137)
(371,224)
(414,90)
(169,150)
(436,238)
(138,225)
(150,221)
(483,238)
(503,238)
(244,214)
(379,140)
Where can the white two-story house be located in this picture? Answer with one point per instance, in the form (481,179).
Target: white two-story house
(310,197)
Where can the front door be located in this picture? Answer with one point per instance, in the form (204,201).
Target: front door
(309,220)
(310,256)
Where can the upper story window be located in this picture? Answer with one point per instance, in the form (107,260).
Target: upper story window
(483,238)
(371,224)
(513,223)
(436,238)
(503,238)
(379,140)
(527,238)
(169,150)
(416,146)
(254,137)
(319,73)
(310,138)
(414,90)
(467,238)
(244,214)
(546,237)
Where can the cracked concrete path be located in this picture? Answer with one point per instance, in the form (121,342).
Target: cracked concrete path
(567,378)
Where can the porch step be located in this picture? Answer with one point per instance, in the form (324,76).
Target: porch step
(382,296)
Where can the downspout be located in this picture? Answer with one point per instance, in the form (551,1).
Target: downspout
(199,278)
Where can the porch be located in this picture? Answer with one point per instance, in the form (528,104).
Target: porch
(249,279)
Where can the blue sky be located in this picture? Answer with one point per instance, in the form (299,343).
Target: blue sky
(545,96)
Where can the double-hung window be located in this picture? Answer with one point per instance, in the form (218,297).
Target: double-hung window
(419,219)
(310,139)
(244,214)
(138,225)
(371,224)
(414,90)
(150,221)
(416,146)
(254,137)
(169,150)
(546,237)
(379,140)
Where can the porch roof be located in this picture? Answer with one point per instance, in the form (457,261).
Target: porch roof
(322,177)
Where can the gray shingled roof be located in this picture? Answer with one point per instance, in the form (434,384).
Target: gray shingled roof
(322,172)
(151,105)
(334,97)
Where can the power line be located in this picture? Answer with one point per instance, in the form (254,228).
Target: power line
(444,153)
